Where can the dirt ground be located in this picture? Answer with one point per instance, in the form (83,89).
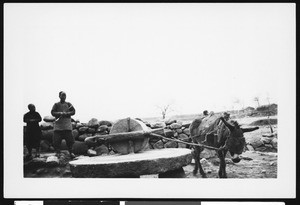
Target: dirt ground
(254,164)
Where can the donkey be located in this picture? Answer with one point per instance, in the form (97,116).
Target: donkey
(215,131)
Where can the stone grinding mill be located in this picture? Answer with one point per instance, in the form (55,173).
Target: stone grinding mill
(129,137)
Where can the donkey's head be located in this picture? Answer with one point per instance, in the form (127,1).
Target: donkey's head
(235,141)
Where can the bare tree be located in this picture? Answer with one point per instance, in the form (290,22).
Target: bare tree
(269,113)
(257,100)
(268,99)
(165,109)
(238,103)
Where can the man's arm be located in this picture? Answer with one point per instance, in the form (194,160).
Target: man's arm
(249,129)
(230,127)
(54,111)
(71,110)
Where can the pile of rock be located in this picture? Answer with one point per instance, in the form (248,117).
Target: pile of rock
(80,132)
(173,129)
(264,143)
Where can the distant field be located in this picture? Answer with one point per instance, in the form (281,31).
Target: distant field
(190,117)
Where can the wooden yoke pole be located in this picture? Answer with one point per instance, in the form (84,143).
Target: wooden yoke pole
(125,136)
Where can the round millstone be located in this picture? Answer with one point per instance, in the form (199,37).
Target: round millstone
(129,125)
(144,163)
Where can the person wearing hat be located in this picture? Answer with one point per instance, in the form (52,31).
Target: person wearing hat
(205,113)
(33,131)
(63,111)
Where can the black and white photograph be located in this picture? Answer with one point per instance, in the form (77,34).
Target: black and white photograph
(150,100)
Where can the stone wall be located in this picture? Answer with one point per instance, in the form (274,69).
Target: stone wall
(172,128)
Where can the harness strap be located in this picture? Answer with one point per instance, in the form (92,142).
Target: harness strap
(176,140)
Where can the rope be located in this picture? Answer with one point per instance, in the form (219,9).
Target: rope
(176,140)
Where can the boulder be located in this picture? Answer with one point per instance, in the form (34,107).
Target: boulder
(266,140)
(46,125)
(44,146)
(158,145)
(187,131)
(182,145)
(75,134)
(83,129)
(73,125)
(67,173)
(102,128)
(176,125)
(183,137)
(261,149)
(153,140)
(270,135)
(47,135)
(91,130)
(165,140)
(207,153)
(78,125)
(35,163)
(102,133)
(179,131)
(186,125)
(91,142)
(93,123)
(168,133)
(91,152)
(274,143)
(255,142)
(158,125)
(249,147)
(171,144)
(40,171)
(205,163)
(80,148)
(84,136)
(52,161)
(101,150)
(105,122)
(49,119)
(170,121)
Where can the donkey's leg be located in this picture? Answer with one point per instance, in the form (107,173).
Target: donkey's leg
(222,163)
(224,167)
(196,155)
(203,174)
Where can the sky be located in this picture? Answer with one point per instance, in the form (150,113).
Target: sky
(127,60)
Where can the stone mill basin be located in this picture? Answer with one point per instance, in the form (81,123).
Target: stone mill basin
(133,165)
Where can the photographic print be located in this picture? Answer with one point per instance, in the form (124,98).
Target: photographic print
(136,98)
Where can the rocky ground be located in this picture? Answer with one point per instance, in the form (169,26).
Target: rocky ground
(254,164)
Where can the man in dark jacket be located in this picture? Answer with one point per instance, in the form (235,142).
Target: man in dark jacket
(33,131)
(63,111)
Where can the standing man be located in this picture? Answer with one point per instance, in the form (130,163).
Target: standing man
(63,111)
(33,131)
